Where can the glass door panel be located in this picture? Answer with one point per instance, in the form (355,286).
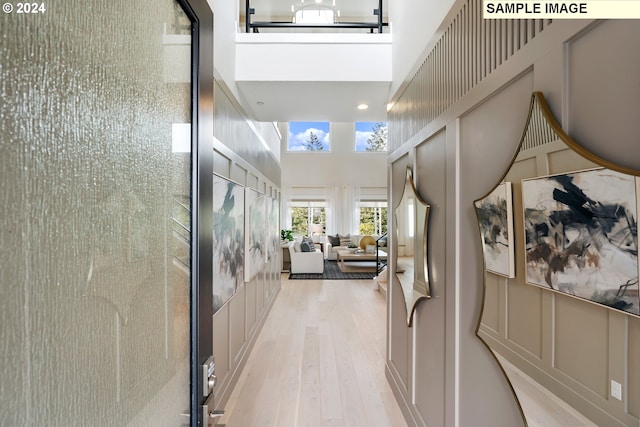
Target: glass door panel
(95,214)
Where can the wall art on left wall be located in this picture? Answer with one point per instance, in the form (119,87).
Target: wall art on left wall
(272,228)
(228,240)
(255,246)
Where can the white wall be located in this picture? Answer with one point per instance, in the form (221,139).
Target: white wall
(225,27)
(313,57)
(342,166)
(341,174)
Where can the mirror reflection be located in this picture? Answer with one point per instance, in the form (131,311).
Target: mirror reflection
(411,218)
(561,300)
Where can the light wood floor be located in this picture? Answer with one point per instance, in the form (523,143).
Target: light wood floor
(541,407)
(318,361)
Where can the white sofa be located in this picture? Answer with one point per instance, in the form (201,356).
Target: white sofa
(331,252)
(305,262)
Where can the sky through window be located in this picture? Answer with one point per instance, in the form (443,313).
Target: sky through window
(308,136)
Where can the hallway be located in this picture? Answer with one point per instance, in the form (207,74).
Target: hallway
(318,361)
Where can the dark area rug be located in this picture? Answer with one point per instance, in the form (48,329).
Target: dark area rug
(332,272)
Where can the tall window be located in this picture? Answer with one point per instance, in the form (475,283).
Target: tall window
(306,216)
(308,136)
(373,218)
(371,136)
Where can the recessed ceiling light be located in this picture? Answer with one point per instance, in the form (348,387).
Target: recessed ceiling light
(362,106)
(260,103)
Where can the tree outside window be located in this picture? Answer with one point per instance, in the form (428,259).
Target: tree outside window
(313,143)
(371,136)
(308,136)
(303,214)
(373,218)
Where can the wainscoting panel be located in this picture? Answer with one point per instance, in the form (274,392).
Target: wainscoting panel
(252,288)
(221,333)
(493,288)
(582,329)
(430,342)
(221,164)
(598,107)
(524,317)
(633,353)
(603,90)
(240,156)
(237,324)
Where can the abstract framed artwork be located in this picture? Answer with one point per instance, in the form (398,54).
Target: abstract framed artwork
(255,232)
(495,217)
(581,235)
(272,228)
(228,240)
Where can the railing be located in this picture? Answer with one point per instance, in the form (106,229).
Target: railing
(255,26)
(381,264)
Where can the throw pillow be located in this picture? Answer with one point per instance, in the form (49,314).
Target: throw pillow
(345,240)
(310,243)
(305,247)
(334,240)
(296,246)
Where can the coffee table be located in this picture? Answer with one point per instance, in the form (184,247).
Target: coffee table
(349,262)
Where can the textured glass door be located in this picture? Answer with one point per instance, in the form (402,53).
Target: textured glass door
(95,213)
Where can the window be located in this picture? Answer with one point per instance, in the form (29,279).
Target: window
(315,15)
(305,214)
(371,136)
(308,136)
(373,218)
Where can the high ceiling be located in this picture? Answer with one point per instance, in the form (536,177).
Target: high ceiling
(330,101)
(315,101)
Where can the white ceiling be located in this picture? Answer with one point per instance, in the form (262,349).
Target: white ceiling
(308,100)
(315,101)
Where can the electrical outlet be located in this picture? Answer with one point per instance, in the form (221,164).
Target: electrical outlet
(616,390)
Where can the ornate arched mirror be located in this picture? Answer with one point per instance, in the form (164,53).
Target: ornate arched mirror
(411,219)
(561,301)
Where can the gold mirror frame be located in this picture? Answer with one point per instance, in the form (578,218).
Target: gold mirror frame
(540,129)
(414,274)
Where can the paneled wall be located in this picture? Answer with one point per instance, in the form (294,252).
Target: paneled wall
(468,51)
(240,156)
(548,334)
(248,140)
(460,141)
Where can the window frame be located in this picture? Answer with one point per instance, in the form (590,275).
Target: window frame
(377,205)
(310,205)
(326,145)
(370,128)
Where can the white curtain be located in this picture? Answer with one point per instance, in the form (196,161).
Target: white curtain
(342,216)
(331,196)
